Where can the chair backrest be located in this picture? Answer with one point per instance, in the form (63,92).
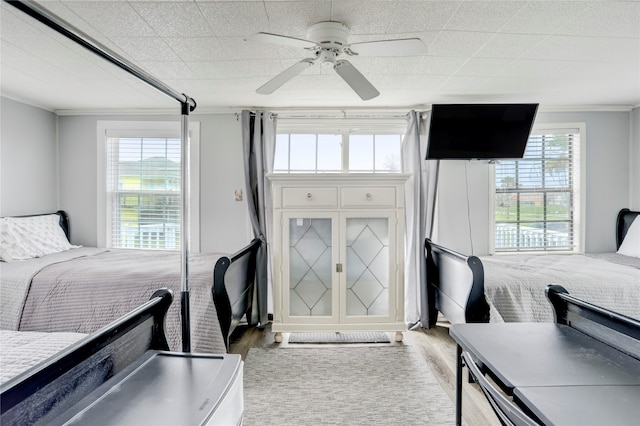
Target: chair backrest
(508,413)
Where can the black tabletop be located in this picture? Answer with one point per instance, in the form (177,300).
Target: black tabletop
(583,405)
(545,354)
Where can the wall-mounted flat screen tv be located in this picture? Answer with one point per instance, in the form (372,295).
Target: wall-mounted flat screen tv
(479,131)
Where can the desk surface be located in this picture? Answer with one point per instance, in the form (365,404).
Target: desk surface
(583,405)
(545,354)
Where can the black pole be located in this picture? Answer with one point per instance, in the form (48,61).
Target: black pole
(184,228)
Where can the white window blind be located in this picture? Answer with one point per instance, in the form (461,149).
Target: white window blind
(535,197)
(143,191)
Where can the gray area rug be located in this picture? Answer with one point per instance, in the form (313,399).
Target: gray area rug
(349,385)
(350,337)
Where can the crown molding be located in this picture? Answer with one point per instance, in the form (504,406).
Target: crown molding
(310,113)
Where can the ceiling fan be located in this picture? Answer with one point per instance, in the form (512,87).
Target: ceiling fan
(328,41)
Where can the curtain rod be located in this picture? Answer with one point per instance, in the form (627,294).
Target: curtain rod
(56,23)
(339,114)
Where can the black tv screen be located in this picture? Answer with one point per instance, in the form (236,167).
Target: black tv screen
(479,131)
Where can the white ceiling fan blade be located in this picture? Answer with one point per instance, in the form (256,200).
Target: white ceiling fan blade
(400,47)
(356,80)
(280,39)
(286,75)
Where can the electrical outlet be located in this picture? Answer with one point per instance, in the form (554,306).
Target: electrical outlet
(238,194)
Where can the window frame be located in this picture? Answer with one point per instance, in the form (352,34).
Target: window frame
(344,127)
(147,129)
(578,191)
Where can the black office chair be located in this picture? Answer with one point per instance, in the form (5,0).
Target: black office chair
(508,413)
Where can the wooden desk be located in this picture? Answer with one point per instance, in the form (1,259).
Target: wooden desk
(526,356)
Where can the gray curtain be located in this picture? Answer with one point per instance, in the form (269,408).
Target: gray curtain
(258,142)
(420,199)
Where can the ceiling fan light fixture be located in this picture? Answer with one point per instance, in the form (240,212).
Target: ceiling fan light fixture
(330,35)
(328,40)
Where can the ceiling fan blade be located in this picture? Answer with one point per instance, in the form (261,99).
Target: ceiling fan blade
(400,47)
(280,39)
(286,75)
(356,80)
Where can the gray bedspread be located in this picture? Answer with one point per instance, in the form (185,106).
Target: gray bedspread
(22,350)
(87,292)
(16,280)
(514,284)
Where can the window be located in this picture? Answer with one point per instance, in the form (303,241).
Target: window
(142,186)
(537,205)
(349,147)
(305,153)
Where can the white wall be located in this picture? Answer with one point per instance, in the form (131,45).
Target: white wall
(28,165)
(223,221)
(634,160)
(608,175)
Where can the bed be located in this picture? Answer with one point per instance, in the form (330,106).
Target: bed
(124,374)
(80,289)
(510,288)
(57,381)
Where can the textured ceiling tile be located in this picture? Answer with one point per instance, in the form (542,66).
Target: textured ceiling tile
(146,48)
(168,70)
(395,65)
(586,48)
(439,65)
(535,87)
(364,16)
(614,71)
(483,67)
(567,52)
(411,16)
(427,82)
(235,18)
(197,48)
(14,55)
(239,48)
(293,18)
(483,15)
(531,68)
(458,43)
(509,45)
(236,69)
(14,23)
(170,19)
(414,82)
(606,19)
(457,84)
(543,17)
(111,18)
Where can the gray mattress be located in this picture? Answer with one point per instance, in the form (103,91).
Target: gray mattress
(85,289)
(514,284)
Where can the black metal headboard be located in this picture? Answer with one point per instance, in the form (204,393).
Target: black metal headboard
(623,223)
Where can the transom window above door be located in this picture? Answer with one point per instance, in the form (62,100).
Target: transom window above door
(346,149)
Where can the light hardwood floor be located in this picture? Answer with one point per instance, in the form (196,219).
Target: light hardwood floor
(436,347)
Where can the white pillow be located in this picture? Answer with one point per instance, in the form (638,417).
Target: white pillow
(24,238)
(631,244)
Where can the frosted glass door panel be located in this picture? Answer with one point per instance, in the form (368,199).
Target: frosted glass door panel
(310,267)
(367,260)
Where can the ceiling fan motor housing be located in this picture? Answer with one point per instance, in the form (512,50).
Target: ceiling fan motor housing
(329,35)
